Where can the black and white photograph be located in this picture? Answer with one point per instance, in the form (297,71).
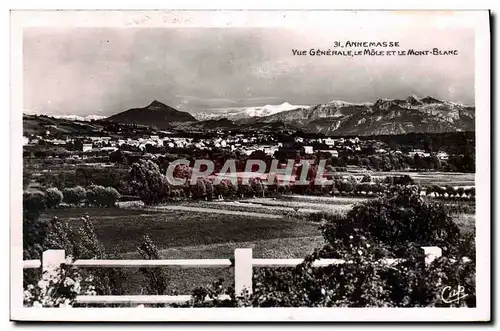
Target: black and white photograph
(334,163)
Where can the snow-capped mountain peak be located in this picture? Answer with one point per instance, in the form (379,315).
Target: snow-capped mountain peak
(247,112)
(87,118)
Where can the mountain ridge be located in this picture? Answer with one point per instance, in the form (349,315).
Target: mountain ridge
(384,116)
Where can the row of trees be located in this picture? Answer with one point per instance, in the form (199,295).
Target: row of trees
(51,198)
(151,186)
(399,161)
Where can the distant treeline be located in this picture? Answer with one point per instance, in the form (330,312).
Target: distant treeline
(450,142)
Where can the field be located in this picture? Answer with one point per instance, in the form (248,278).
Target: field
(274,228)
(122,230)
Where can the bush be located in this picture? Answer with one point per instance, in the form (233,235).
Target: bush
(74,195)
(366,178)
(54,197)
(102,196)
(396,225)
(34,202)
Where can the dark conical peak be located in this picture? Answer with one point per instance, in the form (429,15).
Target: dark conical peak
(156,104)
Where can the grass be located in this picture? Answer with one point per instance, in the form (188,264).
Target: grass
(218,211)
(122,233)
(182,281)
(71,212)
(319,206)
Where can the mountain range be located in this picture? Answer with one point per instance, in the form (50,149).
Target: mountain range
(383,117)
(246,112)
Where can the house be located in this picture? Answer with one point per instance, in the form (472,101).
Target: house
(308,149)
(329,141)
(354,140)
(419,152)
(109,149)
(332,152)
(86,147)
(443,156)
(269,150)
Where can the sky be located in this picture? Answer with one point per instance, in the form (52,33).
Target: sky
(103,71)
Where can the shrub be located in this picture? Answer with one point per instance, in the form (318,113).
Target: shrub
(399,218)
(81,243)
(111,195)
(366,178)
(74,195)
(34,230)
(58,287)
(54,197)
(102,196)
(34,202)
(396,225)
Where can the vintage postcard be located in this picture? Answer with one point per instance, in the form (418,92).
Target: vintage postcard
(250,165)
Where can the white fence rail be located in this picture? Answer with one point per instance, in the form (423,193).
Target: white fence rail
(243,271)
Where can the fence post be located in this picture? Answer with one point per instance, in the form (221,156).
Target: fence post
(243,270)
(52,259)
(432,253)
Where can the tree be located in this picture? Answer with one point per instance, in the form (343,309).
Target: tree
(450,190)
(34,230)
(147,182)
(199,190)
(258,187)
(157,280)
(117,157)
(366,178)
(74,195)
(210,189)
(54,197)
(435,163)
(34,202)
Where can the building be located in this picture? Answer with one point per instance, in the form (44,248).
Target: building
(442,156)
(109,149)
(332,152)
(329,141)
(86,147)
(419,152)
(308,149)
